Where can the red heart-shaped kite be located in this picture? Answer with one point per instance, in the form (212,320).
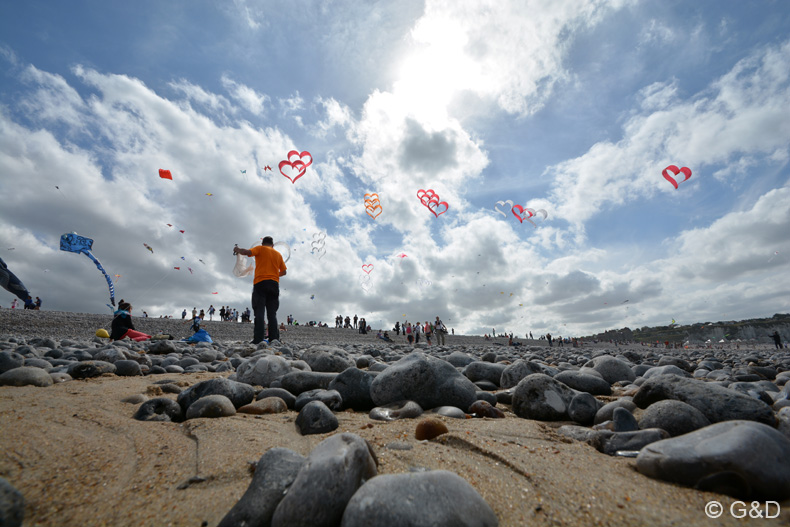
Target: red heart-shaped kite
(675,172)
(297,169)
(367,268)
(434,206)
(301,157)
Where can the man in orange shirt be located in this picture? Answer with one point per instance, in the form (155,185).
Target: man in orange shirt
(269,267)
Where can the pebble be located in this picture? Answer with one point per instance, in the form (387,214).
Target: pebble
(160,409)
(430,428)
(285,395)
(676,417)
(211,406)
(267,405)
(398,410)
(316,418)
(540,397)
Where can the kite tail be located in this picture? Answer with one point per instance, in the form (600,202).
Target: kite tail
(109,280)
(11,283)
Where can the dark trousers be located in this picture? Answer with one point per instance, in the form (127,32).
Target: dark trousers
(265,302)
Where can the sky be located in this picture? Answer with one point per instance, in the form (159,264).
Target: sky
(572,107)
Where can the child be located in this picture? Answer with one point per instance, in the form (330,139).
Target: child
(122,326)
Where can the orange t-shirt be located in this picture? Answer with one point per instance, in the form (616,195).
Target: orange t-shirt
(268,263)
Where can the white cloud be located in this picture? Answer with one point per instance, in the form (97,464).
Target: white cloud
(247,97)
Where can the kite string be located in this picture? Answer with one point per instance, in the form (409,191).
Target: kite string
(149,288)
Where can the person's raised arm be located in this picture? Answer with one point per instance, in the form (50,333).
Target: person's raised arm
(240,250)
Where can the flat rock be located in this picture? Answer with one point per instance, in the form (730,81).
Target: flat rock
(267,405)
(397,410)
(715,402)
(584,383)
(26,376)
(297,382)
(438,498)
(745,459)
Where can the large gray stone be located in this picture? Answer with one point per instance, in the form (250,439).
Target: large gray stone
(354,388)
(274,475)
(26,376)
(611,369)
(334,470)
(540,397)
(327,358)
(127,368)
(513,374)
(428,381)
(437,498)
(297,382)
(742,458)
(331,398)
(484,371)
(676,417)
(89,368)
(715,402)
(238,392)
(262,370)
(10,360)
(584,383)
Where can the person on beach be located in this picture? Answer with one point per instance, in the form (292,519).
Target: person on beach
(184,314)
(777,340)
(29,303)
(13,304)
(211,312)
(397,328)
(441,331)
(269,267)
(407,331)
(38,303)
(122,327)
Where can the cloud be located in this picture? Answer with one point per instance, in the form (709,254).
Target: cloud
(247,97)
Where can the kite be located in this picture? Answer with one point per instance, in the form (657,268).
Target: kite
(209,194)
(510,202)
(149,248)
(169,224)
(286,248)
(312,297)
(183,258)
(201,261)
(11,283)
(296,161)
(165,174)
(318,244)
(215,293)
(117,276)
(431,201)
(243,171)
(267,167)
(372,205)
(75,243)
(177,268)
(675,171)
(368,268)
(181,231)
(519,211)
(190,270)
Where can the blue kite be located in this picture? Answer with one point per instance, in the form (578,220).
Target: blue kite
(11,283)
(75,243)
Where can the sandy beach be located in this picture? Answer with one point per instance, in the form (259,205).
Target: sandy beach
(75,453)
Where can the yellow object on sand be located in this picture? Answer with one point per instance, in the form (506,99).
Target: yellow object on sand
(102,333)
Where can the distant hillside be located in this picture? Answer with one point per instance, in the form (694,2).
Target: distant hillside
(756,329)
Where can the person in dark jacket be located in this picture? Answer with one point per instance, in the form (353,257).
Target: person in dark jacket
(122,326)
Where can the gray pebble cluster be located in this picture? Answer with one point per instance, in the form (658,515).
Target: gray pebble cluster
(717,420)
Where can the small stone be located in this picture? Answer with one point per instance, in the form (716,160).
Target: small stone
(316,418)
(269,405)
(399,410)
(159,409)
(135,399)
(430,428)
(211,406)
(484,409)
